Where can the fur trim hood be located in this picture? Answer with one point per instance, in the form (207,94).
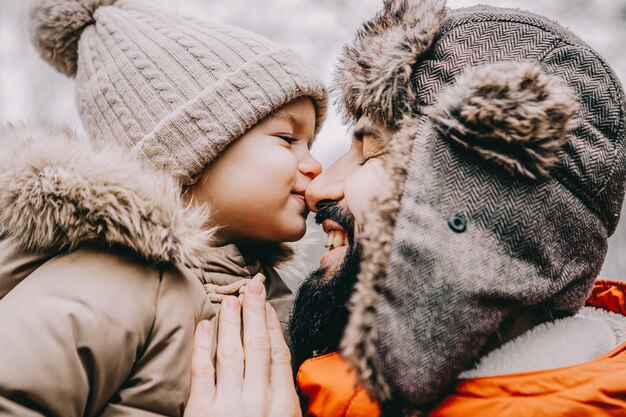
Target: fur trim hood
(57,193)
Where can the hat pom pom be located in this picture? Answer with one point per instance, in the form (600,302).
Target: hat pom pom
(56,26)
(513,114)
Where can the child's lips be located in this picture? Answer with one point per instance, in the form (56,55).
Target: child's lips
(302,202)
(299,197)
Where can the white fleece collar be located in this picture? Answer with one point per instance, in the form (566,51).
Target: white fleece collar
(559,343)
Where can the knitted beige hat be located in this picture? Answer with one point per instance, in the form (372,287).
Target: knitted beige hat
(174,91)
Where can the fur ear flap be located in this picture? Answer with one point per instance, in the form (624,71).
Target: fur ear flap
(513,114)
(373,76)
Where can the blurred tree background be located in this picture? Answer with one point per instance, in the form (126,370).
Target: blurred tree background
(30,90)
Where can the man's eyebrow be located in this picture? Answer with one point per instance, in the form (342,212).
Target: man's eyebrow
(367,130)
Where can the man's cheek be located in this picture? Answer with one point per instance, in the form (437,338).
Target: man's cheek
(363,186)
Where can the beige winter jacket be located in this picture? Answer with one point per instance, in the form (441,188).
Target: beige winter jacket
(102,280)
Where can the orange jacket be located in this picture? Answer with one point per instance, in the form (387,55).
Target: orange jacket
(595,388)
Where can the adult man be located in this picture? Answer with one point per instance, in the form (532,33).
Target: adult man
(485,175)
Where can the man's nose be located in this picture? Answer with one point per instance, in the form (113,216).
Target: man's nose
(326,186)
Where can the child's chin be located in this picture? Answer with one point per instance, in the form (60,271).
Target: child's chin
(294,233)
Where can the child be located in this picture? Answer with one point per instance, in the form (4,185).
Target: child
(108,255)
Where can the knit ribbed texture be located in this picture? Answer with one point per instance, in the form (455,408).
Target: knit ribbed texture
(176,91)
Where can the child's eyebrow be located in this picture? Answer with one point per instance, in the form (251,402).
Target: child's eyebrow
(290,118)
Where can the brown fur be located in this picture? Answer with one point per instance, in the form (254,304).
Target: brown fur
(513,114)
(58,193)
(56,26)
(359,340)
(373,76)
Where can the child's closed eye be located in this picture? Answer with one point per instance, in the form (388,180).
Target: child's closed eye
(289,139)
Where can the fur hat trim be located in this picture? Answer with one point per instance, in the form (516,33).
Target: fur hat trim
(373,76)
(359,342)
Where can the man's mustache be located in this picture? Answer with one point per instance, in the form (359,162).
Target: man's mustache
(331,210)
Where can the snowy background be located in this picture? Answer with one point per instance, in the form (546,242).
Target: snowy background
(30,90)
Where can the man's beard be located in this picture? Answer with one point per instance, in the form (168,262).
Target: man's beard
(320,311)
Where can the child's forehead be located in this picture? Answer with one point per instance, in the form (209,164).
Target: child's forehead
(292,117)
(299,119)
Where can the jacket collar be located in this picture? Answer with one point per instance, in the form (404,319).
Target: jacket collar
(58,192)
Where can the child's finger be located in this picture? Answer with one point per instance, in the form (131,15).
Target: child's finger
(202,391)
(230,359)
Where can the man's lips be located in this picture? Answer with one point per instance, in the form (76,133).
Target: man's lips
(329,225)
(336,242)
(333,257)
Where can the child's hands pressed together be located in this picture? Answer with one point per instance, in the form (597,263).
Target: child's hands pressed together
(253,378)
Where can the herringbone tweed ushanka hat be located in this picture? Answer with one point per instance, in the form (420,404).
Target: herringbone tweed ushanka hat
(507,177)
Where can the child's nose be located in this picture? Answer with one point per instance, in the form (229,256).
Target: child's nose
(310,167)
